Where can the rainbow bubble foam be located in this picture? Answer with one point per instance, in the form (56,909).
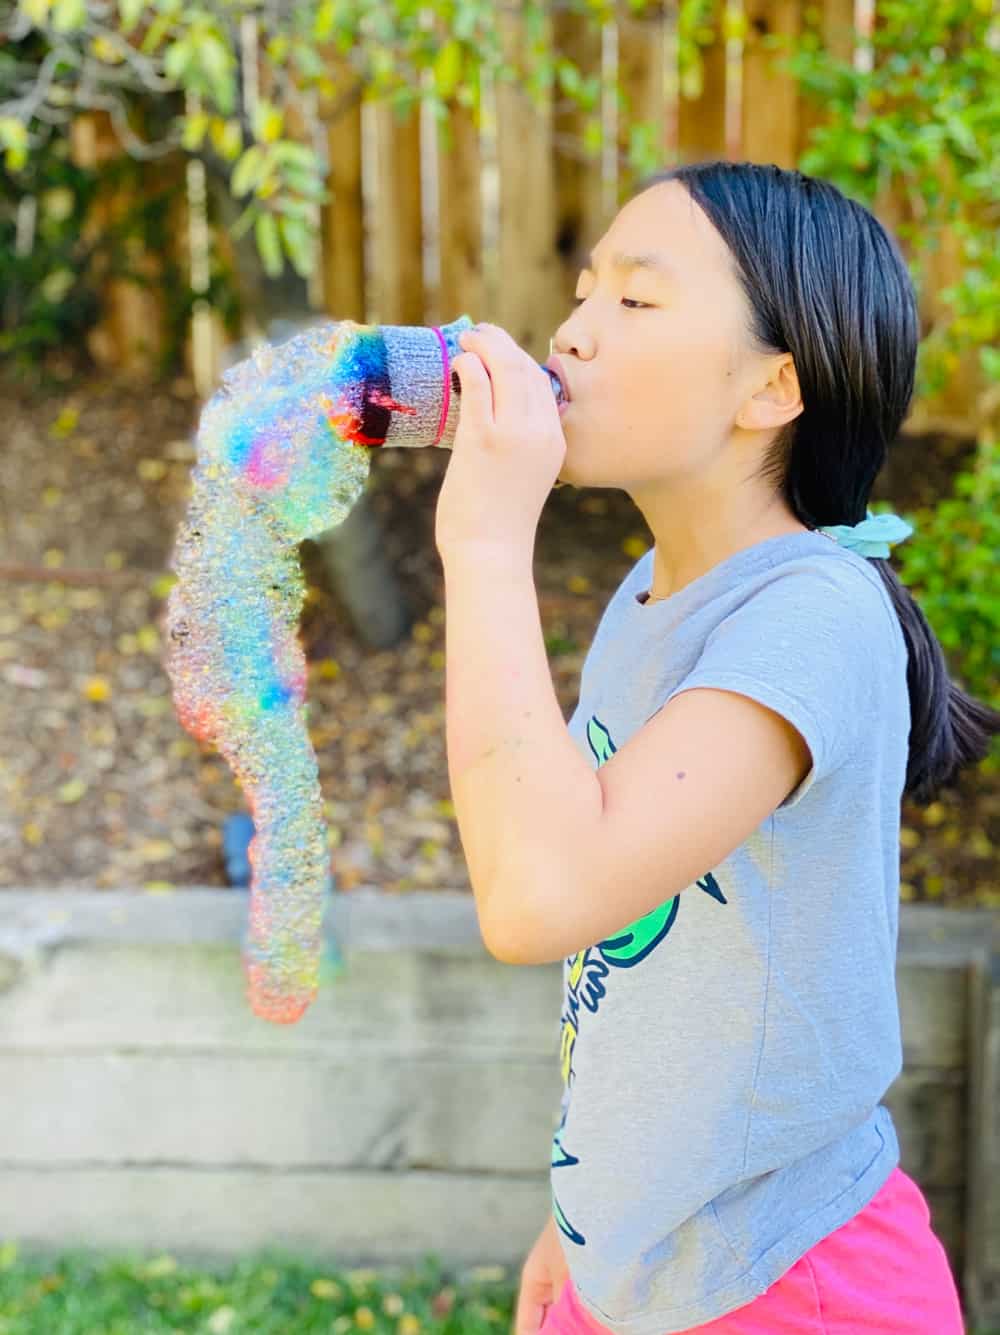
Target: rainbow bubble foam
(283,453)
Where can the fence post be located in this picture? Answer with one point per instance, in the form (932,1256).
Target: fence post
(701,116)
(578,174)
(461,287)
(529,295)
(769,114)
(836,27)
(640,82)
(342,217)
(397,271)
(130,332)
(981,1279)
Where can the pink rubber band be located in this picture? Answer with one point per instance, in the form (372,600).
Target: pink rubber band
(447,386)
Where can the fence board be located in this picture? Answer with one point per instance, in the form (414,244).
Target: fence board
(579,207)
(837,34)
(131,329)
(342,218)
(934,1000)
(701,109)
(462,287)
(946,1205)
(640,82)
(982,1217)
(928,1107)
(770,99)
(959,400)
(397,270)
(529,302)
(953,409)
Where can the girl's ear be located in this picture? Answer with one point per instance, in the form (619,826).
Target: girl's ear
(778,402)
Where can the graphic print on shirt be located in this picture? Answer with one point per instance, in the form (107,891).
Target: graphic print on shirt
(590,968)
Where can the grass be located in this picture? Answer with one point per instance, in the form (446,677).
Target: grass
(80,1292)
(270,1293)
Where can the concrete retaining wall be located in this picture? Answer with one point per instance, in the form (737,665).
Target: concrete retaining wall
(143,1105)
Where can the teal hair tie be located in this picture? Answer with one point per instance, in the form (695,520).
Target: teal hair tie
(873,536)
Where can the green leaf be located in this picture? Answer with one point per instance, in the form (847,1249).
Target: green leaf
(269,244)
(227,137)
(68,15)
(307,61)
(593,135)
(326,20)
(569,77)
(131,12)
(215,61)
(155,33)
(307,184)
(990,359)
(465,21)
(299,154)
(300,243)
(193,134)
(448,68)
(248,171)
(268,121)
(13,133)
(36,11)
(177,60)
(244,222)
(277,48)
(294,208)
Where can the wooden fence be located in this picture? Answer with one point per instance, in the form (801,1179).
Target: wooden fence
(427,222)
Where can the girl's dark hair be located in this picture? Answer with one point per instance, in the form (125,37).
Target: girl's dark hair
(826,282)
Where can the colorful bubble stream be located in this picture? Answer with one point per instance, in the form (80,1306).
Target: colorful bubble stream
(283,453)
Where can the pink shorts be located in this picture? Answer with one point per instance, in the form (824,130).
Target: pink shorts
(884,1272)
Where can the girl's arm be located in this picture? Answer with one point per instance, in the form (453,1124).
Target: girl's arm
(524,796)
(562,856)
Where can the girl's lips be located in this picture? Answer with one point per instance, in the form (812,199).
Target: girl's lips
(563,406)
(555,367)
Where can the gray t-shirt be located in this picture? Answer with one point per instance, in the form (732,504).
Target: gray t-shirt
(723,1057)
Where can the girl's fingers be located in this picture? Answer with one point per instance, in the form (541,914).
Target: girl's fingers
(477,389)
(498,350)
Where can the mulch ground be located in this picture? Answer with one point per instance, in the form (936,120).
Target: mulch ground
(100,787)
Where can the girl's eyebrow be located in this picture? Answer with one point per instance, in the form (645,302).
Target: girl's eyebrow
(645,260)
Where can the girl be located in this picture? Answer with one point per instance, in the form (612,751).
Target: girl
(721,815)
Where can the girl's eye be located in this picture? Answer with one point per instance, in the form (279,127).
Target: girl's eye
(628,301)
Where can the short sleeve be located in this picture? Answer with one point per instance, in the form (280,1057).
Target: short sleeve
(810,645)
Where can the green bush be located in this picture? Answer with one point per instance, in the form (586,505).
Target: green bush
(950,567)
(48,300)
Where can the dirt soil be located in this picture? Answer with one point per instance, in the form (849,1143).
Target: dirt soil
(100,787)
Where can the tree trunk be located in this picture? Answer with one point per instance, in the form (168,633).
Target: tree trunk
(352,556)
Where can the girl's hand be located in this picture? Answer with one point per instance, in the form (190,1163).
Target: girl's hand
(509,446)
(543,1276)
